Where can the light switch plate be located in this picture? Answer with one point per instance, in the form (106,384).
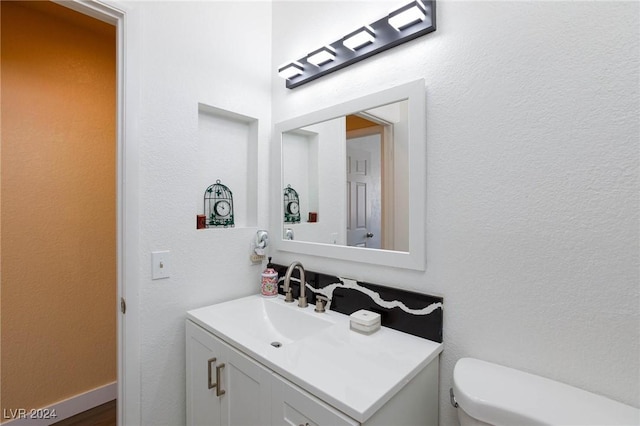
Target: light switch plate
(160,264)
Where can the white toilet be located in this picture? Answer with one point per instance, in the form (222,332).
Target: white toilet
(490,394)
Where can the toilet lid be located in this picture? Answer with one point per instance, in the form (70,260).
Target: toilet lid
(503,396)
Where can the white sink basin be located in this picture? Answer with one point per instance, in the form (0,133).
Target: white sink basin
(268,320)
(286,323)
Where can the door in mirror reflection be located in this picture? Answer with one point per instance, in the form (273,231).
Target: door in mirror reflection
(364,190)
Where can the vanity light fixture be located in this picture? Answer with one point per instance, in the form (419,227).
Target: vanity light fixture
(290,70)
(321,56)
(359,38)
(407,15)
(411,21)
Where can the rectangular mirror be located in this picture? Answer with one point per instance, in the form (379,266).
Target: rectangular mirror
(352,180)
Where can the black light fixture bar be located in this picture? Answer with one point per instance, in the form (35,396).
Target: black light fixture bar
(386,37)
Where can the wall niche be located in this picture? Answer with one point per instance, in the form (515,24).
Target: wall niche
(228,151)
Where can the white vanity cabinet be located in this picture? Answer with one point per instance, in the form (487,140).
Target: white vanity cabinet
(224,387)
(332,376)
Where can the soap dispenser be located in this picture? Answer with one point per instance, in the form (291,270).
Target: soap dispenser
(269,281)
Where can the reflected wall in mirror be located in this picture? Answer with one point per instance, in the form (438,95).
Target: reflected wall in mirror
(352,171)
(359,170)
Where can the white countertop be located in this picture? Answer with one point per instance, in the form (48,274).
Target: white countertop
(353,372)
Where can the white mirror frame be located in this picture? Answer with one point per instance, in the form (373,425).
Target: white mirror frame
(414,93)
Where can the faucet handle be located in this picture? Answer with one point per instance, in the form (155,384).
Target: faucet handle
(321,301)
(288,296)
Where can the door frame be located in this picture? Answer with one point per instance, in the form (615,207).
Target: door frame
(127,246)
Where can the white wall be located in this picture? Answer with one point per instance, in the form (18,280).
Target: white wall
(298,151)
(532,181)
(330,142)
(189,53)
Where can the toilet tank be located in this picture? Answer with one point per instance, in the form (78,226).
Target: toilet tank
(500,396)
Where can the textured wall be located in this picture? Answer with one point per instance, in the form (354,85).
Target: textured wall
(58,205)
(532,180)
(218,54)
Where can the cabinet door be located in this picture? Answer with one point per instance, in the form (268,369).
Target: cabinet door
(294,406)
(247,400)
(242,391)
(204,354)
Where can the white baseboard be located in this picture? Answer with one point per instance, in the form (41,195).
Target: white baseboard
(62,410)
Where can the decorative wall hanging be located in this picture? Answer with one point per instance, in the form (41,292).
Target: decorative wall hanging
(218,206)
(291,205)
(411,21)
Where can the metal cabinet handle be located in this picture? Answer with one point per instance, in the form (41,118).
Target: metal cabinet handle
(209,384)
(219,392)
(216,385)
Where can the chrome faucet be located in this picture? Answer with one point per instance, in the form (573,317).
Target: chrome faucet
(302,300)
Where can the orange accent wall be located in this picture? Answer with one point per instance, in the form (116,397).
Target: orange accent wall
(58,216)
(355,122)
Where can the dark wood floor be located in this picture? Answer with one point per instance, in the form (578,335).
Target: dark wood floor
(102,415)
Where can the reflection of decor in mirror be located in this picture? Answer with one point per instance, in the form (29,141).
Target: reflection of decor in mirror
(291,205)
(218,205)
(363,165)
(413,20)
(288,234)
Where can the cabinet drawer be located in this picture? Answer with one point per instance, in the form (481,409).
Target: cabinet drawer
(294,406)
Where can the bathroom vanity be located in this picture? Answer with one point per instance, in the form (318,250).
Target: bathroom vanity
(259,361)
